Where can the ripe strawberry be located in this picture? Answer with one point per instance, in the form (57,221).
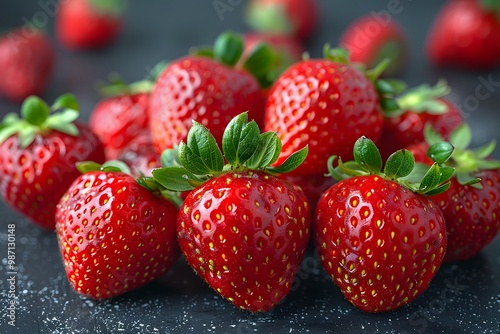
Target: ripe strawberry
(326,104)
(471,207)
(297,18)
(26,63)
(313,186)
(370,39)
(466,33)
(210,91)
(140,155)
(380,241)
(38,155)
(114,234)
(417,107)
(89,24)
(119,118)
(243,230)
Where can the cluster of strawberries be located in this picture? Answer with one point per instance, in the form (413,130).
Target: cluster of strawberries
(378,176)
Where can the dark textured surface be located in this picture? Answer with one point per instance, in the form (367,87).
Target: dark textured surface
(463,298)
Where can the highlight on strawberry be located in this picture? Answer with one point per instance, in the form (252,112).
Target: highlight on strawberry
(242,229)
(38,153)
(115,233)
(471,207)
(377,232)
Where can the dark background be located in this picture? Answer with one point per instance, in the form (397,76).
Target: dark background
(463,298)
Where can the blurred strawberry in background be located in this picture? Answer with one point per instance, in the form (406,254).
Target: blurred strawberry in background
(466,33)
(89,24)
(297,18)
(372,38)
(27,62)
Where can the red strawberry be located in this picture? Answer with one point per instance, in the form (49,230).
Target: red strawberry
(118,119)
(297,18)
(26,62)
(466,33)
(140,155)
(89,24)
(210,91)
(371,40)
(313,186)
(114,234)
(326,104)
(243,231)
(38,155)
(381,242)
(417,107)
(471,207)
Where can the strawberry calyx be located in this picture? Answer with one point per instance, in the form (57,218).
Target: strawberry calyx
(40,118)
(492,6)
(468,163)
(244,148)
(422,98)
(400,167)
(113,8)
(228,50)
(273,18)
(387,89)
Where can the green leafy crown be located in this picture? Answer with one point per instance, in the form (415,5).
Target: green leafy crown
(244,147)
(399,167)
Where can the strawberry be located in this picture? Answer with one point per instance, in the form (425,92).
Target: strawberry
(371,40)
(313,186)
(297,18)
(140,155)
(210,91)
(418,106)
(466,33)
(471,207)
(89,24)
(325,103)
(377,235)
(114,233)
(38,155)
(242,230)
(119,118)
(26,63)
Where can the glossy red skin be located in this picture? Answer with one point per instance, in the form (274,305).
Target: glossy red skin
(325,105)
(302,15)
(359,232)
(118,120)
(26,63)
(201,89)
(408,128)
(114,235)
(140,155)
(245,234)
(32,180)
(472,215)
(464,34)
(79,26)
(313,186)
(365,45)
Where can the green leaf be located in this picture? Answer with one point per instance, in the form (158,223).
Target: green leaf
(115,166)
(266,153)
(202,51)
(461,137)
(64,101)
(240,139)
(399,164)
(260,60)
(465,178)
(431,135)
(26,136)
(417,174)
(431,179)
(488,164)
(168,159)
(446,173)
(292,162)
(485,151)
(63,121)
(367,155)
(440,152)
(201,155)
(175,178)
(228,48)
(389,105)
(87,166)
(34,110)
(440,189)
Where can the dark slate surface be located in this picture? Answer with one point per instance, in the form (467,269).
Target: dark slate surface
(463,298)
